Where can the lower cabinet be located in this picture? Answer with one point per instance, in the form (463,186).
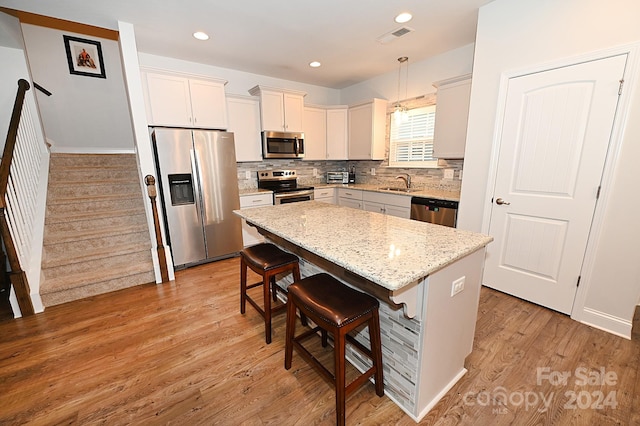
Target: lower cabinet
(350,198)
(250,235)
(390,204)
(325,195)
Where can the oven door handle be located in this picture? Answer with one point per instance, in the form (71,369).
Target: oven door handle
(293,193)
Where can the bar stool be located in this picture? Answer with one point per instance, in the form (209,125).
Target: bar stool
(267,260)
(337,309)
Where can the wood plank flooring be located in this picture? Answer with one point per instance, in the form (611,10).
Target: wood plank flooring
(181,353)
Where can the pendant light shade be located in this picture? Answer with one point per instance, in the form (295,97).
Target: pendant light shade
(400,112)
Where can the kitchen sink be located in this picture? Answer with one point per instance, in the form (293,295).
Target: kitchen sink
(395,188)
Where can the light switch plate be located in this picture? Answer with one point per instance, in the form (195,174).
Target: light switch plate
(315,172)
(247,174)
(373,171)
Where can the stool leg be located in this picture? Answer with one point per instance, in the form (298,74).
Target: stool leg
(339,359)
(376,351)
(273,289)
(296,277)
(266,279)
(243,285)
(290,333)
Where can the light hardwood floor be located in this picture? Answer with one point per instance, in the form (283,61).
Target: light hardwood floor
(181,353)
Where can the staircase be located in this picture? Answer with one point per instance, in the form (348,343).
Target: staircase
(96,238)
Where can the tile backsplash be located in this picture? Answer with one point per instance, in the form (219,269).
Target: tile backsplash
(427,178)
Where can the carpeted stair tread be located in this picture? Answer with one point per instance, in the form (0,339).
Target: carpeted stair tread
(93,270)
(96,288)
(88,215)
(93,160)
(90,199)
(66,236)
(105,273)
(77,252)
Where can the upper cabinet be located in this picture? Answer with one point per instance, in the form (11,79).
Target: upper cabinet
(315,133)
(452,113)
(325,132)
(281,110)
(367,126)
(244,122)
(337,133)
(179,100)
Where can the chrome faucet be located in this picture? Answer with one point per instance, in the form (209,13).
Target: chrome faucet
(407,180)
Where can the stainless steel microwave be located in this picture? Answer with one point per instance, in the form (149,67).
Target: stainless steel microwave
(282,145)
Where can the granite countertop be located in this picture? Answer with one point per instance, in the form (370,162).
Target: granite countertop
(254,191)
(438,194)
(390,251)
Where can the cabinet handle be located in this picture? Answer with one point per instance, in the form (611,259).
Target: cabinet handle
(257,201)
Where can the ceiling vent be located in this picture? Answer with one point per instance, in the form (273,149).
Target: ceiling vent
(393,35)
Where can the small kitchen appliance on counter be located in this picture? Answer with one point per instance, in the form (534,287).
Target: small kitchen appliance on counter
(337,177)
(284,184)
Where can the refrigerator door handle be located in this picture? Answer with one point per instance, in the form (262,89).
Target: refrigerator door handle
(197,179)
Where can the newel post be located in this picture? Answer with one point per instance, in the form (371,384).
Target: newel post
(150,181)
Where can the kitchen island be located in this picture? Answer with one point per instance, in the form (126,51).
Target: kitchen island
(426,276)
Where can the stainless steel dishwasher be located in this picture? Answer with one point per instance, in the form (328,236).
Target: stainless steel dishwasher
(440,212)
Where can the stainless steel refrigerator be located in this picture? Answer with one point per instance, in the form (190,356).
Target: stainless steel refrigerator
(199,191)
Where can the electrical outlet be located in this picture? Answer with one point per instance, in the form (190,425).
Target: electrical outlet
(315,172)
(247,174)
(457,286)
(460,175)
(448,173)
(373,171)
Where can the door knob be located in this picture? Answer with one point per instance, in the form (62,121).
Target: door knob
(500,201)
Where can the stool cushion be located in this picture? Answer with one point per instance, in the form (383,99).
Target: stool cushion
(267,256)
(331,300)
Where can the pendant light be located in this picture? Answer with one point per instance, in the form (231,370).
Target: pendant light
(400,113)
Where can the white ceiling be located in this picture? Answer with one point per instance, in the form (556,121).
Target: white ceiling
(279,38)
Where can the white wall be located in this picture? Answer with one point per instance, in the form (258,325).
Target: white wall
(85,114)
(14,67)
(240,82)
(421,77)
(516,34)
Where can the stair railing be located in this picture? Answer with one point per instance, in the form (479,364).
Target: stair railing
(150,181)
(19,170)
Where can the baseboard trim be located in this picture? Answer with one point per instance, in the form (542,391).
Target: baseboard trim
(635,327)
(606,322)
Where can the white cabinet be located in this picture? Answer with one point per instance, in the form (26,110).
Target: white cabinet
(337,133)
(367,127)
(452,113)
(181,101)
(315,133)
(390,204)
(325,132)
(281,110)
(250,235)
(244,122)
(325,195)
(350,198)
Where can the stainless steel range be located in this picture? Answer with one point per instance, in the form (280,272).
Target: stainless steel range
(284,184)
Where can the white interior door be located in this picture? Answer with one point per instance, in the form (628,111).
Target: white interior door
(556,131)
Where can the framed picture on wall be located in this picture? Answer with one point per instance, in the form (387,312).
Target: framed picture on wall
(84,57)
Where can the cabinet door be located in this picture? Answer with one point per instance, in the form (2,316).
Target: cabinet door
(397,211)
(360,132)
(293,112)
(337,133)
(325,195)
(315,134)
(452,113)
(370,206)
(347,202)
(272,110)
(168,100)
(208,104)
(244,122)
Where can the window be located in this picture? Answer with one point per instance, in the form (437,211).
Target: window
(411,139)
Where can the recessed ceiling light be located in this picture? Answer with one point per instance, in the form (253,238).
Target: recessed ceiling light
(314,64)
(403,17)
(201,36)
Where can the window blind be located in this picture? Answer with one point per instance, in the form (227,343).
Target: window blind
(411,139)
